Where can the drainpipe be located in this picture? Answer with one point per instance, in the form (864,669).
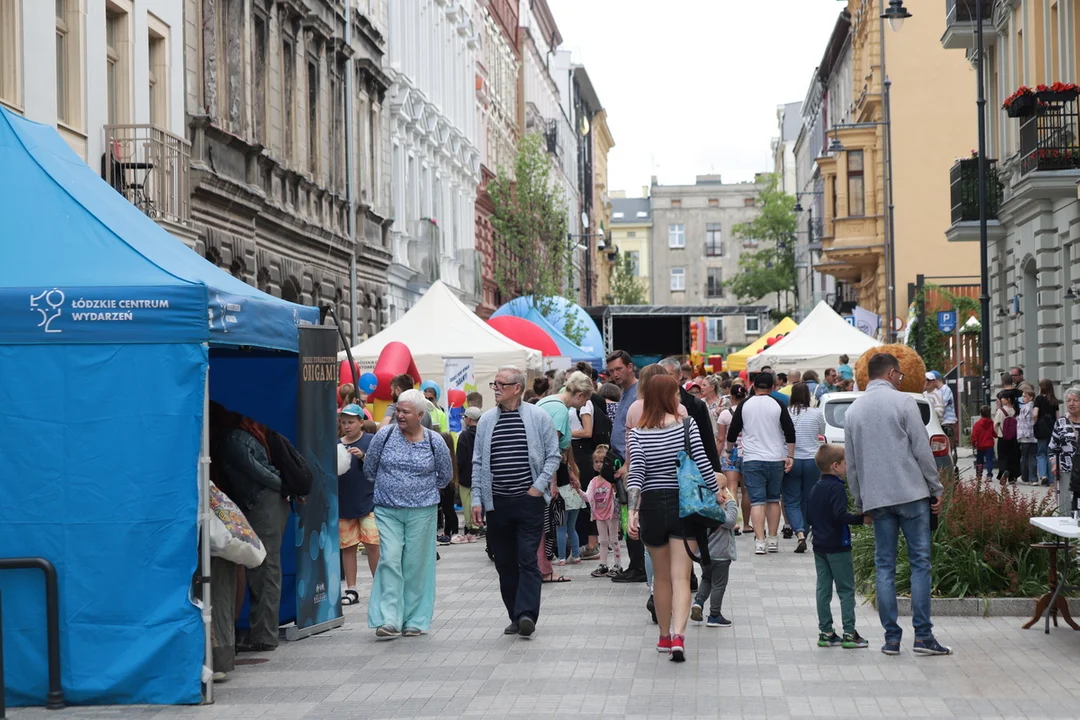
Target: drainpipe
(350,174)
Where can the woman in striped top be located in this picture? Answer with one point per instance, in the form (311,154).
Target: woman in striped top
(653,489)
(804,473)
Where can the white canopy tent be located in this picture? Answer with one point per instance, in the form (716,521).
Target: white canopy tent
(816,344)
(441,326)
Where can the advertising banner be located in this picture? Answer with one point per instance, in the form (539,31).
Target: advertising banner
(458,374)
(318,565)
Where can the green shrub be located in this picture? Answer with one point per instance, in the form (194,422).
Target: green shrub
(981,547)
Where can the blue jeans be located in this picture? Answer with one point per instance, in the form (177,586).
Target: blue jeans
(1042,459)
(569,524)
(913,519)
(796,489)
(985,459)
(762,480)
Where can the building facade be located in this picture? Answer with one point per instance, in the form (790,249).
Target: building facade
(631,235)
(924,146)
(603,256)
(788,123)
(289,181)
(109,76)
(1034,216)
(434,140)
(694,249)
(497,72)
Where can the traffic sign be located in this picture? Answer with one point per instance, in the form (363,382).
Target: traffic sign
(946,321)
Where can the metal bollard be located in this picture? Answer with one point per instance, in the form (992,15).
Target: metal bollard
(55,698)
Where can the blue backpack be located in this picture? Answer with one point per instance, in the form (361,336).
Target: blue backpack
(698,508)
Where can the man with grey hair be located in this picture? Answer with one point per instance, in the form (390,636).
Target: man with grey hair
(515,456)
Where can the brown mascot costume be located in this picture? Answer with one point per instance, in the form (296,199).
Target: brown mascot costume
(910,364)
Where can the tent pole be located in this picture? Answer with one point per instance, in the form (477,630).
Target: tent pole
(204,533)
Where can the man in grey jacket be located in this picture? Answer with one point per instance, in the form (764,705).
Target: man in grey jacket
(893,478)
(514,462)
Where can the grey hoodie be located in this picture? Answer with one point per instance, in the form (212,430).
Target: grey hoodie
(889,461)
(722,539)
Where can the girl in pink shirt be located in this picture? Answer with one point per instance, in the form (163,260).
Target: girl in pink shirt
(605,511)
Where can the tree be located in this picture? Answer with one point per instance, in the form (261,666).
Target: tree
(927,335)
(772,268)
(626,288)
(530,222)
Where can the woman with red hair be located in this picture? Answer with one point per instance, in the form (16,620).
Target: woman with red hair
(653,489)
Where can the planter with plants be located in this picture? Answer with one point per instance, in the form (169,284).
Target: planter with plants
(980,549)
(1059,92)
(1021,103)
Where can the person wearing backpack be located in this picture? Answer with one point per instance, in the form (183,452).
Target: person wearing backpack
(1008,447)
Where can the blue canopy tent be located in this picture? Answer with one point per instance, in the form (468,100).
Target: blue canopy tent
(590,350)
(106,329)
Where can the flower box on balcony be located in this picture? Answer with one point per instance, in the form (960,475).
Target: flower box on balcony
(1021,106)
(1058,92)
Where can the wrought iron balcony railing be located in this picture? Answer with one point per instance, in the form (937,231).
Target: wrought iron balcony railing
(964,190)
(963,11)
(1048,137)
(151,167)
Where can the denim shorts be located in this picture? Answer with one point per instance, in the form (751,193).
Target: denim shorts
(732,465)
(658,517)
(762,480)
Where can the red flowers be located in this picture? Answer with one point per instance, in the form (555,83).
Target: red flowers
(1022,91)
(1059,87)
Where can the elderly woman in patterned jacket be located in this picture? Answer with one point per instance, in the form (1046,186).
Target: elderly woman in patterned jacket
(1063,443)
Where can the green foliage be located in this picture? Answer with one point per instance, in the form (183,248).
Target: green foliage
(626,288)
(772,268)
(935,345)
(981,547)
(534,256)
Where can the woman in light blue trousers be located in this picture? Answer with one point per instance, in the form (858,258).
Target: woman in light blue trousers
(409,464)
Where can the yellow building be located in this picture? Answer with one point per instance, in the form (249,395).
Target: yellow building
(932,101)
(631,228)
(603,261)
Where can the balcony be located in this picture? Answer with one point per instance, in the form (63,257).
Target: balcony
(964,195)
(471,274)
(424,252)
(960,24)
(1048,139)
(151,168)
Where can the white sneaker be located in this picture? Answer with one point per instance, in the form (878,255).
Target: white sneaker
(759,547)
(773,544)
(696,613)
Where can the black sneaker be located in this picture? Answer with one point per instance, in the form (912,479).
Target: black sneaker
(443,540)
(931,646)
(890,648)
(801,547)
(853,641)
(788,533)
(526,626)
(829,640)
(717,621)
(511,629)
(651,607)
(629,576)
(601,571)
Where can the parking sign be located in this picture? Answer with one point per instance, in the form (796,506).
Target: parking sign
(946,321)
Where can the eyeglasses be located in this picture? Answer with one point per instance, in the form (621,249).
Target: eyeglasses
(497,385)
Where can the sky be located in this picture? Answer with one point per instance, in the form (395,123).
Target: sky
(691,86)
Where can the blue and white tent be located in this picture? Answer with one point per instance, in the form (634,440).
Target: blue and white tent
(107,328)
(591,349)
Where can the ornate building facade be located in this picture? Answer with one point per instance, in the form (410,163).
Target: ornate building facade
(290,187)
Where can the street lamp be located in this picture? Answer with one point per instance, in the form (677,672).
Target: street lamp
(896,14)
(984,242)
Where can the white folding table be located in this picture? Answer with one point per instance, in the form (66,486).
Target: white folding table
(1054,602)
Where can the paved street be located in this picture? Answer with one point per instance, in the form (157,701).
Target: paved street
(593,656)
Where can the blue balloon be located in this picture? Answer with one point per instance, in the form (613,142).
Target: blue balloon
(368,383)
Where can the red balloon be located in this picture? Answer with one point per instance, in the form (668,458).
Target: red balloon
(455,398)
(525,333)
(395,359)
(770,342)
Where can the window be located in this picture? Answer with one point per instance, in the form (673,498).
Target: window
(753,325)
(749,202)
(337,130)
(856,194)
(69,63)
(675,202)
(158,56)
(643,214)
(714,330)
(635,262)
(676,236)
(229,55)
(714,247)
(10,53)
(631,234)
(114,71)
(678,279)
(289,93)
(313,115)
(260,42)
(715,285)
(617,215)
(714,202)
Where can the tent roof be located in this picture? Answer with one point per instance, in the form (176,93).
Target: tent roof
(80,264)
(441,325)
(567,348)
(816,343)
(737,361)
(592,344)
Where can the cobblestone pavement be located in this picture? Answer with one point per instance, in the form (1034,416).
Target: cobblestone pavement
(593,656)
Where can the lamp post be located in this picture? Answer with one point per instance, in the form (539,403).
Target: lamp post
(984,249)
(895,14)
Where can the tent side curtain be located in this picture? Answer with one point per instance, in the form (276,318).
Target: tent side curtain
(77,234)
(101,461)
